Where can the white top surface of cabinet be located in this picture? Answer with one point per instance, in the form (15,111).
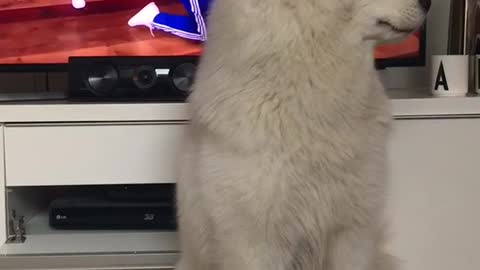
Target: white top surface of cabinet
(104,112)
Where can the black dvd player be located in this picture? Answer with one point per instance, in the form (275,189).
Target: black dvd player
(106,214)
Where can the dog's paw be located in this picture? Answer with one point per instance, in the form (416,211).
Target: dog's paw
(182,264)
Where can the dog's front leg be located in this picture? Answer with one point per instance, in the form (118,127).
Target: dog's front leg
(358,249)
(195,239)
(242,251)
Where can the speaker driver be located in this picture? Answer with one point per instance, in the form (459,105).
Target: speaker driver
(144,77)
(101,79)
(182,77)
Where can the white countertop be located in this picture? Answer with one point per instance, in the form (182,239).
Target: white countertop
(436,107)
(111,112)
(91,112)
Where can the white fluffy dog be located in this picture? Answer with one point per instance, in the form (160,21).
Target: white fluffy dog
(284,163)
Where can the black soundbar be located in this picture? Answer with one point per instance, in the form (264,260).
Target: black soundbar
(159,78)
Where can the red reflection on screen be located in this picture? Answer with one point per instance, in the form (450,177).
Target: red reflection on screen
(408,48)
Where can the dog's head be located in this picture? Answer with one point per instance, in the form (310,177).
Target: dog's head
(385,20)
(378,20)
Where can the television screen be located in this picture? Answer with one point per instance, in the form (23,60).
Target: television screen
(49,31)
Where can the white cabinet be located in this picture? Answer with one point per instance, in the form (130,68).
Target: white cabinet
(435,194)
(432,203)
(91,154)
(3,214)
(45,147)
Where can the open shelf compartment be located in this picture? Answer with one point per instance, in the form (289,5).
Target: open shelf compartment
(32,203)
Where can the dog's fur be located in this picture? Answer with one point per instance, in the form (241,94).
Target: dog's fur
(284,163)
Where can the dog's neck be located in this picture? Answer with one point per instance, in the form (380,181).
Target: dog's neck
(287,34)
(260,60)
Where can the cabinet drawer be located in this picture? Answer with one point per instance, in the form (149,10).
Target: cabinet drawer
(38,155)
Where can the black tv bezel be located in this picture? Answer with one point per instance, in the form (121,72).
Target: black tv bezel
(419,61)
(379,64)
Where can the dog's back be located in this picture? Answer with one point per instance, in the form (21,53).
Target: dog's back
(284,160)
